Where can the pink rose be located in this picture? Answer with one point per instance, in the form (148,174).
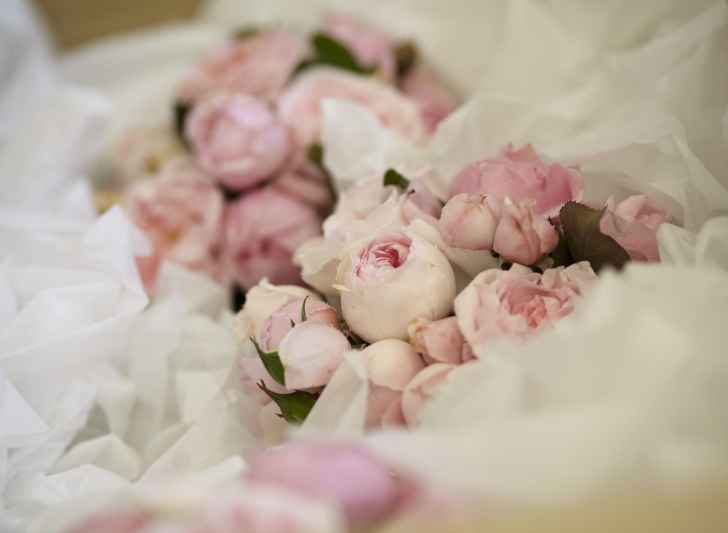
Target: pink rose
(262,230)
(181,212)
(346,475)
(370,45)
(259,65)
(523,236)
(421,389)
(237,139)
(300,104)
(521,175)
(419,202)
(440,341)
(392,280)
(128,521)
(433,98)
(391,365)
(518,303)
(304,181)
(633,224)
(468,221)
(288,316)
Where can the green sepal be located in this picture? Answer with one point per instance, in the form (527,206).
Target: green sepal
(272,363)
(392,177)
(294,406)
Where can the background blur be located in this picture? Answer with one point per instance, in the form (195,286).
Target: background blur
(75,22)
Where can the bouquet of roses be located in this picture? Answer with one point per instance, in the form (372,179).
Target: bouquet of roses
(242,186)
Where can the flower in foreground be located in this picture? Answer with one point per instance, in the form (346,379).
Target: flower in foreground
(633,223)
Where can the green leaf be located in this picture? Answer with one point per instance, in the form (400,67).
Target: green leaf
(586,242)
(406,56)
(272,363)
(561,254)
(181,111)
(333,53)
(294,406)
(392,177)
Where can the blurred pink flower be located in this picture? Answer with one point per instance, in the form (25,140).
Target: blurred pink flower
(114,521)
(440,341)
(521,175)
(262,230)
(421,389)
(259,65)
(237,139)
(523,236)
(304,181)
(435,100)
(633,224)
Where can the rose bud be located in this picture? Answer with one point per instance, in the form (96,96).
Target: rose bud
(440,341)
(252,372)
(633,224)
(518,303)
(391,365)
(419,202)
(310,353)
(237,139)
(521,175)
(300,104)
(389,281)
(181,213)
(289,315)
(467,221)
(259,65)
(421,389)
(349,476)
(522,236)
(371,46)
(435,100)
(262,230)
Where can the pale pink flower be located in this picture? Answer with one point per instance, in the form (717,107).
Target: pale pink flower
(521,175)
(522,236)
(419,202)
(237,139)
(305,181)
(518,303)
(181,212)
(259,65)
(114,521)
(252,373)
(435,100)
(300,104)
(468,221)
(440,341)
(633,224)
(262,230)
(142,151)
(371,46)
(350,477)
(288,316)
(421,389)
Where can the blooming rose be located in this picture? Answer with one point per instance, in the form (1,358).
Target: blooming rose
(300,104)
(517,303)
(181,212)
(434,100)
(421,389)
(259,65)
(468,221)
(633,224)
(391,280)
(289,315)
(391,364)
(262,230)
(440,341)
(521,175)
(523,236)
(370,45)
(237,139)
(362,486)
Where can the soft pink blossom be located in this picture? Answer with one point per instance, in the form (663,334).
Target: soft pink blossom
(300,104)
(371,46)
(142,151)
(262,230)
(419,202)
(518,303)
(252,372)
(259,65)
(304,181)
(114,521)
(288,316)
(391,364)
(521,175)
(421,389)
(633,224)
(440,341)
(181,212)
(468,221)
(237,139)
(522,236)
(363,487)
(435,100)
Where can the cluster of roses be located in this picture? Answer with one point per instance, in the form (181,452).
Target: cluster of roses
(422,286)
(249,187)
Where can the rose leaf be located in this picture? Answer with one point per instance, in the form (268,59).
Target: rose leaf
(294,406)
(272,363)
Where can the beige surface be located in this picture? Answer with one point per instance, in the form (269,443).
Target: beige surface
(74,22)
